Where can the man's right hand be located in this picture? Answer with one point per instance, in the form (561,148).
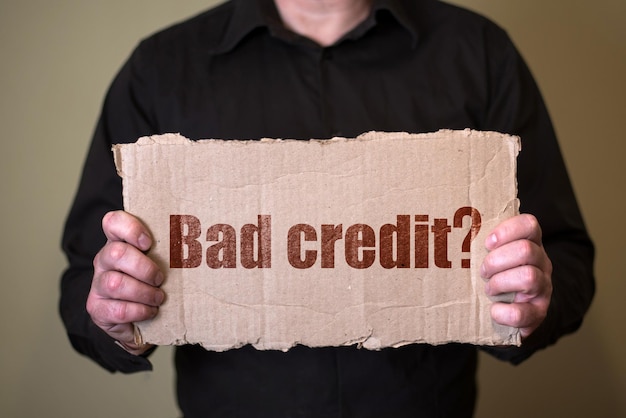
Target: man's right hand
(125,286)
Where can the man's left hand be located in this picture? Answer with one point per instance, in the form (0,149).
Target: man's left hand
(518,263)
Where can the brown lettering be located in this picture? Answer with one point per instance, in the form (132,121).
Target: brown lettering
(402,233)
(440,230)
(421,242)
(184,232)
(263,233)
(226,245)
(294,248)
(360,236)
(330,235)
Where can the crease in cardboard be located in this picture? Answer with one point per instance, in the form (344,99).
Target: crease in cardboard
(366,182)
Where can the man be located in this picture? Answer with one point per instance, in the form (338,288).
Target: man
(316,69)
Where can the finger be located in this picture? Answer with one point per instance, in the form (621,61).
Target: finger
(525,316)
(125,337)
(521,227)
(527,282)
(124,333)
(125,258)
(512,255)
(117,285)
(112,315)
(122,226)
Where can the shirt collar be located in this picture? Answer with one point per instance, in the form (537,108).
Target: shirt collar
(403,12)
(246,16)
(250,15)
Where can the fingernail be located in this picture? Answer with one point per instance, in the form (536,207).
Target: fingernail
(492,241)
(144,241)
(159,297)
(159,279)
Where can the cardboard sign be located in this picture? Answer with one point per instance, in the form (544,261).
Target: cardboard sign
(375,241)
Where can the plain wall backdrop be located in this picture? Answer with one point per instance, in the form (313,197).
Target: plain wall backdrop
(58,57)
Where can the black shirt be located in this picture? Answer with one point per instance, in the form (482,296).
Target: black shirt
(236,72)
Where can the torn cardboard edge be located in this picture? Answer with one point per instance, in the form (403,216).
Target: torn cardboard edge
(334,242)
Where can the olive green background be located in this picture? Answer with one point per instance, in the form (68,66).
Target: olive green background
(58,57)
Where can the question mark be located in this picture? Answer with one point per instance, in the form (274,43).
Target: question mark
(471,234)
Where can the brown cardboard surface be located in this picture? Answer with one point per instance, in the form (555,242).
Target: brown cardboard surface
(374,241)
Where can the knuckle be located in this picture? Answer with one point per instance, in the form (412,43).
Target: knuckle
(109,220)
(91,306)
(117,250)
(97,310)
(525,250)
(533,227)
(98,260)
(113,282)
(548,266)
(531,221)
(106,220)
(120,312)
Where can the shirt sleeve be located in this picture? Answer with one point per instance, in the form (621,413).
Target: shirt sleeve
(125,116)
(516,107)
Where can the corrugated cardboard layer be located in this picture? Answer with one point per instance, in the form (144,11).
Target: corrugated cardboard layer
(322,243)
